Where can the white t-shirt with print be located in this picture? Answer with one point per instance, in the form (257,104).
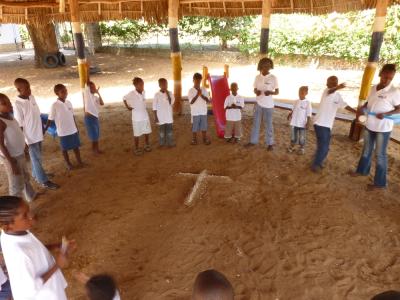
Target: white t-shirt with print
(27,259)
(163,107)
(199,107)
(328,107)
(382,101)
(92,102)
(62,113)
(265,83)
(233,114)
(302,110)
(27,113)
(137,101)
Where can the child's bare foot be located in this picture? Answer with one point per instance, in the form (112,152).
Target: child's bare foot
(69,167)
(270,148)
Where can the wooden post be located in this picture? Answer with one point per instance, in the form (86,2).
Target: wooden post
(265,20)
(79,42)
(226,71)
(176,57)
(373,59)
(204,82)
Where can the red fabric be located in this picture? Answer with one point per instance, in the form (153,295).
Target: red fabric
(219,90)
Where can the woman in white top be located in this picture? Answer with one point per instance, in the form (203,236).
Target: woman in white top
(383,101)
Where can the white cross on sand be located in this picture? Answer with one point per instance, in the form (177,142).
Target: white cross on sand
(200,184)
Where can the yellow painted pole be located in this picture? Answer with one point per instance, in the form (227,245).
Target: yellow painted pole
(204,83)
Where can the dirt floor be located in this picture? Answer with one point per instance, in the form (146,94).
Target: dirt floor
(277,231)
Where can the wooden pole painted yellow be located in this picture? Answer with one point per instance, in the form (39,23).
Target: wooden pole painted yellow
(176,57)
(204,82)
(226,71)
(265,20)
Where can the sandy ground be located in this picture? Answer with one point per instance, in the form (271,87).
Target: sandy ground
(277,231)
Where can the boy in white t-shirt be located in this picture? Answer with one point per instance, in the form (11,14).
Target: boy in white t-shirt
(93,101)
(300,117)
(233,111)
(62,114)
(163,114)
(27,113)
(12,146)
(331,101)
(198,99)
(34,273)
(135,101)
(99,287)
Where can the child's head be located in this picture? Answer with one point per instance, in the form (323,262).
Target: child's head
(264,65)
(212,285)
(23,87)
(197,78)
(388,295)
(139,84)
(303,91)
(101,287)
(61,91)
(332,82)
(234,88)
(14,214)
(387,74)
(92,87)
(163,84)
(5,104)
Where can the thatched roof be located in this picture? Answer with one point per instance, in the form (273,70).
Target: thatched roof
(26,11)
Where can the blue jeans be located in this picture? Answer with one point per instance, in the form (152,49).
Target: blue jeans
(35,153)
(323,135)
(298,136)
(5,293)
(266,115)
(379,141)
(166,135)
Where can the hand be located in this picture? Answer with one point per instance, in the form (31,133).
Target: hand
(71,247)
(268,93)
(96,90)
(233,105)
(61,260)
(258,93)
(341,86)
(156,120)
(198,92)
(81,277)
(380,116)
(130,108)
(289,117)
(14,166)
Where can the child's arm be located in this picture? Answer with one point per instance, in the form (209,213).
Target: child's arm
(272,93)
(11,160)
(205,98)
(308,122)
(195,97)
(48,124)
(289,117)
(127,106)
(100,98)
(336,88)
(155,116)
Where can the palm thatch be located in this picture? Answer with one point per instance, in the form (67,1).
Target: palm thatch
(40,11)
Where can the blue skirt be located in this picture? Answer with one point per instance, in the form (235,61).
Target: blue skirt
(70,142)
(92,127)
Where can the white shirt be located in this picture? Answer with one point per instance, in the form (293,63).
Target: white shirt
(27,259)
(27,113)
(382,101)
(327,109)
(265,83)
(302,110)
(137,101)
(62,114)
(117,296)
(14,139)
(199,107)
(233,114)
(92,102)
(163,107)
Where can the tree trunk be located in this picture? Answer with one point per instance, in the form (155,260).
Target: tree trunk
(224,44)
(44,40)
(93,36)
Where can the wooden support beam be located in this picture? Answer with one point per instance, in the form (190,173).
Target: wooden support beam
(176,58)
(378,30)
(265,20)
(28,4)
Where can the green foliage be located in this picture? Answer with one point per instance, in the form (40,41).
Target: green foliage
(66,37)
(24,34)
(127,31)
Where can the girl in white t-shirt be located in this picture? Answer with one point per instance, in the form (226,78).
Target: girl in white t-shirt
(34,273)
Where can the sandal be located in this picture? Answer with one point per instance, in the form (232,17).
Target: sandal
(206,142)
(147,148)
(194,142)
(138,152)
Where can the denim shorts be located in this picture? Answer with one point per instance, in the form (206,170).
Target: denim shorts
(199,123)
(92,127)
(5,293)
(70,142)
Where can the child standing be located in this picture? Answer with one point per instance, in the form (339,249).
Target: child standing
(12,146)
(27,113)
(300,118)
(136,102)
(265,86)
(162,107)
(93,101)
(34,273)
(198,99)
(210,285)
(62,114)
(233,110)
(331,101)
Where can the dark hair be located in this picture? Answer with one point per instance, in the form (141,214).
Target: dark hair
(58,87)
(211,283)
(3,97)
(197,76)
(101,287)
(391,68)
(264,61)
(303,87)
(234,83)
(20,81)
(8,208)
(137,80)
(161,80)
(388,295)
(333,77)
